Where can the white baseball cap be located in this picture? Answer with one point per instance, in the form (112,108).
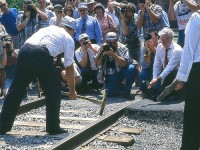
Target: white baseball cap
(82,36)
(110,36)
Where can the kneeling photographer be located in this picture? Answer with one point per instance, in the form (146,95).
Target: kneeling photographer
(8,60)
(84,56)
(119,73)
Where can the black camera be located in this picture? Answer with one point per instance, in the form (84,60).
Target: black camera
(8,44)
(7,40)
(147,37)
(33,13)
(106,47)
(85,41)
(123,10)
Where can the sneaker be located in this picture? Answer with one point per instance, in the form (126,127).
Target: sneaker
(57,131)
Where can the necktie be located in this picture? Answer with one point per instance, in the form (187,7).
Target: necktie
(83,26)
(88,66)
(166,60)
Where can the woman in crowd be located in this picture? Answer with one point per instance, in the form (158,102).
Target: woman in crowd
(105,21)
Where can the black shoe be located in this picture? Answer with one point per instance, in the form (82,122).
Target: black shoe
(57,131)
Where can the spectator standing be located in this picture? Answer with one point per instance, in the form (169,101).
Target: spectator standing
(119,71)
(111,11)
(44,15)
(75,10)
(36,59)
(181,12)
(68,11)
(27,23)
(188,72)
(8,19)
(59,15)
(89,25)
(105,21)
(149,16)
(91,4)
(166,63)
(85,60)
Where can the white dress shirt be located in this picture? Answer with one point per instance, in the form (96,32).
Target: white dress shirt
(191,49)
(173,57)
(57,40)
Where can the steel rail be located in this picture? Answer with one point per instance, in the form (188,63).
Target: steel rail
(31,105)
(75,140)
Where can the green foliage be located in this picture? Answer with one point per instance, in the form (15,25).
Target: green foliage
(17,4)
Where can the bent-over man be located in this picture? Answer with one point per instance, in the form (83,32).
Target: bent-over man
(35,59)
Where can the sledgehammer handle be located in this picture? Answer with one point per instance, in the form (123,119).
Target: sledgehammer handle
(103,104)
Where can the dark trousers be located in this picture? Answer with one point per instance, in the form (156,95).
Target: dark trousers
(32,62)
(191,123)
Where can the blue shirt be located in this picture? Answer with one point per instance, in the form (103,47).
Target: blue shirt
(93,29)
(9,21)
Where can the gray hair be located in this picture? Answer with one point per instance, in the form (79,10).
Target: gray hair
(166,31)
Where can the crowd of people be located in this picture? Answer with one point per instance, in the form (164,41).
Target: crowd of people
(85,45)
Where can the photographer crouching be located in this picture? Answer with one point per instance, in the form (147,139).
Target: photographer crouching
(119,72)
(8,60)
(84,56)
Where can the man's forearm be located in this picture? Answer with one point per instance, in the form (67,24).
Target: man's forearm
(70,78)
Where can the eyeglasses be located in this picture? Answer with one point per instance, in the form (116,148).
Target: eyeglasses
(82,10)
(2,5)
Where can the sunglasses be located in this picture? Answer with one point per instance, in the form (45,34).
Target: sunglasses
(2,5)
(81,10)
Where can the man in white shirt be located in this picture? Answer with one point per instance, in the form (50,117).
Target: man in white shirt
(189,72)
(35,59)
(166,63)
(85,59)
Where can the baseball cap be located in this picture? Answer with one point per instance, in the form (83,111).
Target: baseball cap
(110,36)
(6,38)
(69,22)
(82,36)
(58,6)
(82,5)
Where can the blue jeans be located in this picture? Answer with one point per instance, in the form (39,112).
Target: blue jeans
(113,83)
(144,77)
(33,62)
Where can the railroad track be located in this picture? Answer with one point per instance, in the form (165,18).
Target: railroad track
(80,118)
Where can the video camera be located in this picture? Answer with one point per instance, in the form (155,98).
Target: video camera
(32,11)
(147,37)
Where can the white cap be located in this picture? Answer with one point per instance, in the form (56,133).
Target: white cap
(82,36)
(110,36)
(69,22)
